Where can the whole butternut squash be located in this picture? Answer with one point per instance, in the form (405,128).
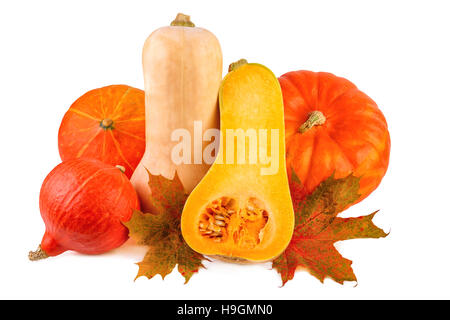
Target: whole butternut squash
(182,73)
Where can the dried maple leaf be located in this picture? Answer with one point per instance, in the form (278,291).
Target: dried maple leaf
(317,228)
(161,232)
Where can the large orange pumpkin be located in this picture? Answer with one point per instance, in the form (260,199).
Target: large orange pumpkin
(107,124)
(332,127)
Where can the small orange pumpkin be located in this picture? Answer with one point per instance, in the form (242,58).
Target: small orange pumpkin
(107,124)
(332,127)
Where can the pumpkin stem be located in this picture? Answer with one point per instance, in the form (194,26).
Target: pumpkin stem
(237,64)
(316,118)
(106,123)
(39,254)
(121,168)
(182,20)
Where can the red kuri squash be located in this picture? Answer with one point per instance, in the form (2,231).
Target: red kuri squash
(83,203)
(332,127)
(107,124)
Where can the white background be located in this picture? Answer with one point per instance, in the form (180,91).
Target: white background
(398,52)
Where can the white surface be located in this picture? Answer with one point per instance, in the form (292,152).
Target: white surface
(396,51)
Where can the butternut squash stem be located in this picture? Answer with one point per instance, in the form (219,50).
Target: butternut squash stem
(39,254)
(316,118)
(182,20)
(237,64)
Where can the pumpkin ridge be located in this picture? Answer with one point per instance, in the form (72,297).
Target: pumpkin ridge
(129,134)
(84,129)
(102,110)
(119,150)
(79,130)
(104,147)
(365,140)
(66,201)
(336,99)
(341,149)
(318,82)
(121,190)
(311,158)
(299,92)
(119,103)
(329,104)
(130,120)
(83,114)
(83,149)
(379,118)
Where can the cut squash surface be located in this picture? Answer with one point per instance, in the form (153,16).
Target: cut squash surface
(242,208)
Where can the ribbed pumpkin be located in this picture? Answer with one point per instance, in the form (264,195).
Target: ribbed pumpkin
(107,124)
(332,127)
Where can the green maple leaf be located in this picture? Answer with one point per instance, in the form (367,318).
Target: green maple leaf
(161,232)
(317,228)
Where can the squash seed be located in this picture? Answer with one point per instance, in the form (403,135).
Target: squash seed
(219,223)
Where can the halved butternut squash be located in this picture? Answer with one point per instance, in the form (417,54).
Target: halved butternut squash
(242,209)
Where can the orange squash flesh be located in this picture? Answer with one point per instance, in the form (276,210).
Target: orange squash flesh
(243,211)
